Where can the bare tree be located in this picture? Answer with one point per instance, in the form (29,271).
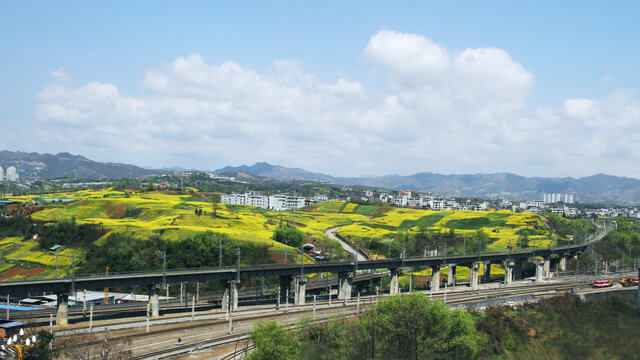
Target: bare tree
(90,346)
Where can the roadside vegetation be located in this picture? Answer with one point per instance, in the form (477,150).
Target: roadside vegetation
(412,327)
(619,249)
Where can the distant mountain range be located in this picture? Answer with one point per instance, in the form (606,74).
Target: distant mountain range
(596,188)
(47,166)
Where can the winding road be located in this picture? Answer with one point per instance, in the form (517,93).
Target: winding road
(350,248)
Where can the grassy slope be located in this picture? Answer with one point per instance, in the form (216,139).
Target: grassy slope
(563,328)
(502,226)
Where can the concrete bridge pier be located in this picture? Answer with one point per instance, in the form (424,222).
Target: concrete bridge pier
(539,269)
(562,266)
(230,295)
(473,276)
(345,282)
(547,268)
(451,274)
(517,270)
(394,283)
(63,309)
(435,278)
(300,290)
(285,285)
(486,275)
(154,301)
(508,271)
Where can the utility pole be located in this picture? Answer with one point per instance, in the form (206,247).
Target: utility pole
(237,251)
(163,255)
(220,253)
(57,250)
(293,205)
(73,274)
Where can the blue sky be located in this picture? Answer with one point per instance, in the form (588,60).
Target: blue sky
(347,89)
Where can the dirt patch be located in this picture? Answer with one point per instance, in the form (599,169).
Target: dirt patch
(13,272)
(276,257)
(116,211)
(382,209)
(83,203)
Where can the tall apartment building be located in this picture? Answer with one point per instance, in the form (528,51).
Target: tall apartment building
(12,174)
(554,198)
(1,174)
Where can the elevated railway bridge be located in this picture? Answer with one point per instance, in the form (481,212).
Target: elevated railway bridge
(292,276)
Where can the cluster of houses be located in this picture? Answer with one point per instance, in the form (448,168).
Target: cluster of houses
(613,212)
(423,200)
(556,203)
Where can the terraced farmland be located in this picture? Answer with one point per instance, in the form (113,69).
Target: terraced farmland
(175,217)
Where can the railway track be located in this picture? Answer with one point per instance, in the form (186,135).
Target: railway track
(162,336)
(218,315)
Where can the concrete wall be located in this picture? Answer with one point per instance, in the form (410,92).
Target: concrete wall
(630,293)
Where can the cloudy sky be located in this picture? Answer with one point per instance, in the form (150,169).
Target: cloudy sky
(362,88)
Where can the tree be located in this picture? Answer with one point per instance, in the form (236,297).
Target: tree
(480,239)
(289,235)
(42,351)
(413,327)
(272,342)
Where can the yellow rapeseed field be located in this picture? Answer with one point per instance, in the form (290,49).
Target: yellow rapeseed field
(173,217)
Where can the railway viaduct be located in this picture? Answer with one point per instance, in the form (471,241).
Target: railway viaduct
(346,270)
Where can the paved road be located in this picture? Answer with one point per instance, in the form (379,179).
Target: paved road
(331,233)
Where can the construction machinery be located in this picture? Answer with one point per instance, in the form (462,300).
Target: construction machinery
(629,281)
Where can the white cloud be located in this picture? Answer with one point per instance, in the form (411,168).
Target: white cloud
(581,109)
(443,111)
(409,58)
(61,75)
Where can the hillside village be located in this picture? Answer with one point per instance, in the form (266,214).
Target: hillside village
(560,204)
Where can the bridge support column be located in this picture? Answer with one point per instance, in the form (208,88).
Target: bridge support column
(486,275)
(508,271)
(154,301)
(451,274)
(539,269)
(345,281)
(517,270)
(473,276)
(63,309)
(547,268)
(435,278)
(300,285)
(285,285)
(563,264)
(394,284)
(230,294)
